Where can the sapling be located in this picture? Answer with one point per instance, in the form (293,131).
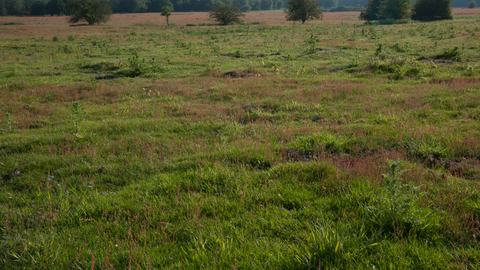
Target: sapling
(78,115)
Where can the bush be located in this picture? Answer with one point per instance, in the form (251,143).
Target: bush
(91,11)
(226,14)
(430,10)
(472,4)
(303,10)
(386,10)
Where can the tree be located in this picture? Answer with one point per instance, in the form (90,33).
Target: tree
(13,7)
(386,9)
(472,4)
(303,10)
(279,4)
(331,3)
(266,4)
(430,10)
(38,8)
(91,11)
(226,14)
(167,11)
(56,7)
(128,6)
(3,10)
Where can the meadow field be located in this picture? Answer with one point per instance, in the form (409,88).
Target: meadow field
(266,145)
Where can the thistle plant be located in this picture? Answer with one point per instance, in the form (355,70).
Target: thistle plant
(10,122)
(78,115)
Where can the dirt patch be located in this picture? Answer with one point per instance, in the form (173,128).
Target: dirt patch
(240,74)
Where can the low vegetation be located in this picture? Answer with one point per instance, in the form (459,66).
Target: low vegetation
(329,144)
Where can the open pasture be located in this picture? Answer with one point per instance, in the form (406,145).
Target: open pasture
(268,145)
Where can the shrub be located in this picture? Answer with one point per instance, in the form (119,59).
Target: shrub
(430,10)
(394,211)
(91,11)
(226,14)
(386,10)
(303,10)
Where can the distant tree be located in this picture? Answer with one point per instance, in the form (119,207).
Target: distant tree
(13,7)
(91,11)
(38,8)
(56,7)
(266,4)
(371,11)
(3,10)
(128,6)
(331,3)
(246,8)
(360,3)
(472,4)
(395,9)
(226,14)
(255,4)
(429,10)
(341,8)
(279,4)
(167,11)
(303,10)
(386,9)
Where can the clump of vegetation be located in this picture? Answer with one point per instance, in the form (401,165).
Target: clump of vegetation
(429,10)
(226,14)
(395,212)
(90,11)
(303,10)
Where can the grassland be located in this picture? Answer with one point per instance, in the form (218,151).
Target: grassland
(133,145)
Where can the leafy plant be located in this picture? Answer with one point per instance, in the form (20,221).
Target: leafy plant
(394,211)
(10,122)
(77,115)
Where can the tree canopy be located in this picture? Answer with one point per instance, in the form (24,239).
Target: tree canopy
(91,11)
(429,10)
(472,4)
(167,11)
(226,14)
(303,10)
(386,10)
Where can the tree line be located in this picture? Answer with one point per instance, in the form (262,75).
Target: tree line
(59,7)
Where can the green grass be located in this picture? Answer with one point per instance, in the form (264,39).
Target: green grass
(337,146)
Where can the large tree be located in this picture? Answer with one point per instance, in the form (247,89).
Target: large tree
(303,10)
(226,14)
(91,11)
(429,10)
(386,9)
